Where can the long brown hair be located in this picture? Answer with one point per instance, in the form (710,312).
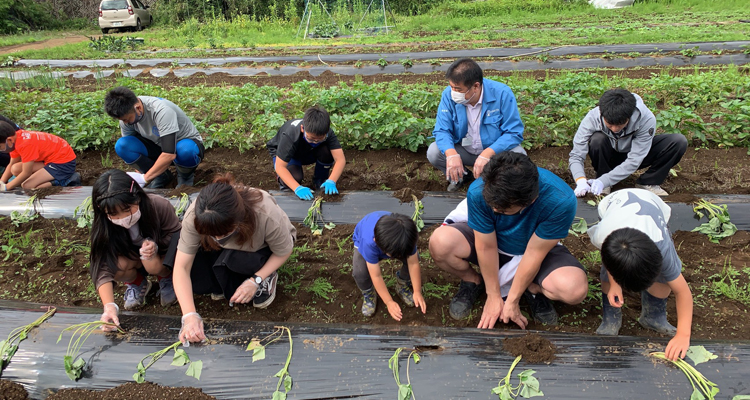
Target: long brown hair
(223,205)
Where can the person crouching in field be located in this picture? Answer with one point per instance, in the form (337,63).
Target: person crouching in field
(130,234)
(381,235)
(638,255)
(37,159)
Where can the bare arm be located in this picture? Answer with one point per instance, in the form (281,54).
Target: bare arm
(339,161)
(416,281)
(486,244)
(161,165)
(680,343)
(183,285)
(285,175)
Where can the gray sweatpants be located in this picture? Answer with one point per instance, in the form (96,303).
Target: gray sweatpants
(362,275)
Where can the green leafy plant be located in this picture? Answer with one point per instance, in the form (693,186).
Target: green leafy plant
(29,213)
(322,288)
(114,44)
(382,62)
(84,213)
(326,30)
(179,359)
(406,62)
(690,51)
(9,346)
(702,387)
(527,387)
(718,225)
(417,215)
(404,390)
(258,346)
(73,363)
(182,205)
(8,61)
(314,218)
(578,228)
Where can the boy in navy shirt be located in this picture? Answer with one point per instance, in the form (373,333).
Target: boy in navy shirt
(381,235)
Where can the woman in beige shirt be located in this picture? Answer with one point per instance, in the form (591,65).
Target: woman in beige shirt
(233,240)
(130,235)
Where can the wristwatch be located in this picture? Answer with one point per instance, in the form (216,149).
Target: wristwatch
(256,279)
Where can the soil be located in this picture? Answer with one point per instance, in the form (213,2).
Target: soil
(533,347)
(44,192)
(701,171)
(328,79)
(407,194)
(12,391)
(42,44)
(133,391)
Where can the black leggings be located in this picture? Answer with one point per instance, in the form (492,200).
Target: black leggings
(221,271)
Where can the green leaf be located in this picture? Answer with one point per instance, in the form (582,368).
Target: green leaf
(287,383)
(278,395)
(505,393)
(194,369)
(531,382)
(259,353)
(180,358)
(592,203)
(330,225)
(699,354)
(741,397)
(281,373)
(417,358)
(529,392)
(138,377)
(697,395)
(253,344)
(404,392)
(79,364)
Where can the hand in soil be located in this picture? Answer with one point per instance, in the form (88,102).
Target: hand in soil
(245,292)
(394,310)
(192,328)
(677,347)
(110,316)
(419,302)
(512,312)
(493,307)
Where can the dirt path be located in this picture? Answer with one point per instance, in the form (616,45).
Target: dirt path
(43,44)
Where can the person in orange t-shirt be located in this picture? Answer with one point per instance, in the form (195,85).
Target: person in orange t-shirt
(37,159)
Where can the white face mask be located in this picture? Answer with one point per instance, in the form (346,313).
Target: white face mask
(460,98)
(127,222)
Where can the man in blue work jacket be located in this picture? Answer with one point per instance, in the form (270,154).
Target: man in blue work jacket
(476,119)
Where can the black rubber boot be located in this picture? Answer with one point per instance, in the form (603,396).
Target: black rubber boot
(654,314)
(161,181)
(611,319)
(143,164)
(185,176)
(541,308)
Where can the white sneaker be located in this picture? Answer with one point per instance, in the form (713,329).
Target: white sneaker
(655,189)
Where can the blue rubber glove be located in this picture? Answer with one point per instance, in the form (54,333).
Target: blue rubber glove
(330,187)
(596,186)
(304,193)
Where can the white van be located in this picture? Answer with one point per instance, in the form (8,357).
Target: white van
(123,14)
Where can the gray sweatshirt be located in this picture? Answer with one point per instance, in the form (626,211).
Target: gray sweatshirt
(635,140)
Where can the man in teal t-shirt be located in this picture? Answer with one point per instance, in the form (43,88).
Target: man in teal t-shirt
(517,213)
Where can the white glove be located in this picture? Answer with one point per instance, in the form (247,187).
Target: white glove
(3,187)
(138,178)
(582,187)
(192,329)
(596,186)
(110,315)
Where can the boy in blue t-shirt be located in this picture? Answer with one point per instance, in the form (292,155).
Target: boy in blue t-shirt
(380,235)
(517,213)
(638,255)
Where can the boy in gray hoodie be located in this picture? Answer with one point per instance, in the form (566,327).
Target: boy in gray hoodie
(619,137)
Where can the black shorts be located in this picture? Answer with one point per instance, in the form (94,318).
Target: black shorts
(558,257)
(61,173)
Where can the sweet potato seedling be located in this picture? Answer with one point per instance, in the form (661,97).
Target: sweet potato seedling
(718,225)
(404,390)
(315,217)
(73,363)
(527,388)
(258,346)
(418,211)
(179,359)
(9,346)
(702,387)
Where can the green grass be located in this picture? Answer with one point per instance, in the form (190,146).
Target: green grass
(732,283)
(527,23)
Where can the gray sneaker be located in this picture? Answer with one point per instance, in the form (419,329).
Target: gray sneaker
(135,295)
(655,189)
(454,186)
(404,290)
(166,291)
(370,302)
(266,292)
